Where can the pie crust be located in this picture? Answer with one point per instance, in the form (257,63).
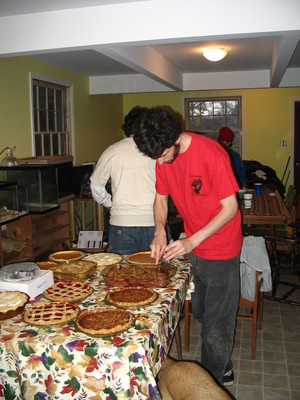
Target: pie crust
(78,271)
(68,291)
(141,258)
(48,314)
(12,303)
(104,259)
(66,256)
(104,321)
(131,297)
(49,265)
(136,275)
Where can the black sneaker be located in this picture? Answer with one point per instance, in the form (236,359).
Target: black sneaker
(228,378)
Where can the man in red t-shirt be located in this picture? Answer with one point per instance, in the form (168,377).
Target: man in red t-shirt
(196,172)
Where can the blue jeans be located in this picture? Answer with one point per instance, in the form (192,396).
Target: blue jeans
(215,303)
(130,239)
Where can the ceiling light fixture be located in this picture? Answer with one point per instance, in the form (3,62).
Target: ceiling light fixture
(214,54)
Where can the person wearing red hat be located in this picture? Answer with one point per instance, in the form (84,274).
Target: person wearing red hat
(226,137)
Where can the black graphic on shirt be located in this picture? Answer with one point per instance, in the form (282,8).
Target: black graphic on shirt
(197,185)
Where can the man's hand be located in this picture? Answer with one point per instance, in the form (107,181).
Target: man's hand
(178,248)
(158,246)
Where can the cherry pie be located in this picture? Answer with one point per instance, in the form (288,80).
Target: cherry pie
(68,291)
(53,313)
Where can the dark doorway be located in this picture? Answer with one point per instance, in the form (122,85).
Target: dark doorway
(296,165)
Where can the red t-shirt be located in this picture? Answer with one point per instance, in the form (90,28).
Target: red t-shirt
(197,180)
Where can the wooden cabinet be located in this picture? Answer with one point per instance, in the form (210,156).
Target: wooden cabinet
(78,208)
(34,236)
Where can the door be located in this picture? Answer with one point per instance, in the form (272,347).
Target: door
(296,165)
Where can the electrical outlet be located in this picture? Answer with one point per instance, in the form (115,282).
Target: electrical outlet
(283,143)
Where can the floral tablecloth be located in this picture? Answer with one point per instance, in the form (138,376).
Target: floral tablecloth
(62,363)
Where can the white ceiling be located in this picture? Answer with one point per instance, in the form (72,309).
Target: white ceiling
(157,45)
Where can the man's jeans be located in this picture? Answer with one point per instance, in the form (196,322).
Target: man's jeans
(215,303)
(128,240)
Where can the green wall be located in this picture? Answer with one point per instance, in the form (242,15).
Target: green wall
(97,119)
(267,119)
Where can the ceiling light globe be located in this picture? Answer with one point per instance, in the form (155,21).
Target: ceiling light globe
(214,54)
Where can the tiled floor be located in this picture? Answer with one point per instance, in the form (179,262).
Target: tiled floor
(275,373)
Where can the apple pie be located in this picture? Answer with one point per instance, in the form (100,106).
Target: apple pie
(78,271)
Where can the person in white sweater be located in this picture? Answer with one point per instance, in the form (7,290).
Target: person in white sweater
(132,177)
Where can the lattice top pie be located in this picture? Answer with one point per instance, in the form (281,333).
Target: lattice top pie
(104,321)
(68,291)
(54,313)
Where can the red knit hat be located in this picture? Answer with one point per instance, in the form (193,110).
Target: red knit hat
(226,133)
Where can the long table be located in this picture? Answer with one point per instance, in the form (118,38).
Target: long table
(59,362)
(267,208)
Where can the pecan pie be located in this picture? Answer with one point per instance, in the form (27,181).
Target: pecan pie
(104,321)
(131,296)
(135,275)
(68,291)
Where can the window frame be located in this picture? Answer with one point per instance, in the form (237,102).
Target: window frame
(215,97)
(70,112)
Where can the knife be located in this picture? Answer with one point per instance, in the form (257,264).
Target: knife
(165,265)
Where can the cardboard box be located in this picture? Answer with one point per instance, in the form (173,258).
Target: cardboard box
(34,287)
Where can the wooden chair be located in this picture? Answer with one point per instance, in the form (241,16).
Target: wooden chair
(254,311)
(255,314)
(284,255)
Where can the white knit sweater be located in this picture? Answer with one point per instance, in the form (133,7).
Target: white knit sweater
(132,182)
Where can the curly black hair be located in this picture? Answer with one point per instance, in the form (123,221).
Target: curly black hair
(130,118)
(155,130)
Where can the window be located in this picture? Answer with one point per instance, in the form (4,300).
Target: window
(51,118)
(207,115)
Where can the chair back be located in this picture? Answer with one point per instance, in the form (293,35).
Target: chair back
(290,198)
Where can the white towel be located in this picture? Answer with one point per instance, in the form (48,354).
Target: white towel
(254,257)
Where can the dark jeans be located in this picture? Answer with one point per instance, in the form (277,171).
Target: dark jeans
(215,303)
(130,239)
